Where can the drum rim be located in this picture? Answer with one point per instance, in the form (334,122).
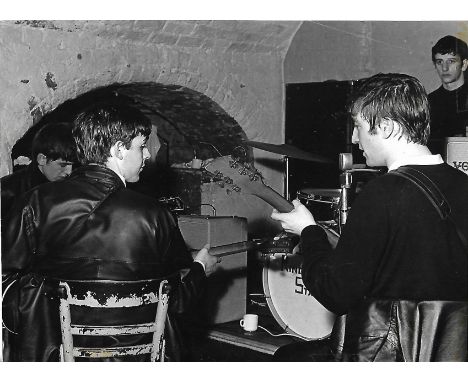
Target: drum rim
(338,190)
(334,193)
(333,238)
(275,313)
(272,306)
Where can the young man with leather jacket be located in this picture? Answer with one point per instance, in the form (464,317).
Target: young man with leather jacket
(91,226)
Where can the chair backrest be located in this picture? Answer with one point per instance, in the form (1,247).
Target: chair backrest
(112,296)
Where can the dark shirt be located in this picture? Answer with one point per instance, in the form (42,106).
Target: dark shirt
(16,184)
(394,245)
(449,115)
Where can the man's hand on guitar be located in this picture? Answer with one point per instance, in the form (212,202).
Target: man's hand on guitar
(208,260)
(296,220)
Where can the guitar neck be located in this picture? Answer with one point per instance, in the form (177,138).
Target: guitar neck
(229,249)
(274,199)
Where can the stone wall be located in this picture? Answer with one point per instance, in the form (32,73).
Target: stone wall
(238,65)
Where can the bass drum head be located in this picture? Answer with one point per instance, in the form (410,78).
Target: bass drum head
(291,304)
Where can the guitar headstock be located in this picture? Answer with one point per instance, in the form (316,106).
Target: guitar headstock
(245,178)
(239,176)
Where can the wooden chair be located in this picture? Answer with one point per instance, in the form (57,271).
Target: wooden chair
(110,295)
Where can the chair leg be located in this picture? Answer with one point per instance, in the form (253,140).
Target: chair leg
(65,327)
(161,314)
(163,351)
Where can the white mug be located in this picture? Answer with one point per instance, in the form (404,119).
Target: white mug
(249,322)
(196,163)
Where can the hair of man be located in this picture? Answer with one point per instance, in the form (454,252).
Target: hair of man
(55,141)
(450,45)
(100,126)
(396,97)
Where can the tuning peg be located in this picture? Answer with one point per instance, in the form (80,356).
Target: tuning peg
(234,163)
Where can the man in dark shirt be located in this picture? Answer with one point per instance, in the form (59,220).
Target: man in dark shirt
(449,103)
(399,271)
(53,153)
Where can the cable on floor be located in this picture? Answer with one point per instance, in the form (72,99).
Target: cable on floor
(283,334)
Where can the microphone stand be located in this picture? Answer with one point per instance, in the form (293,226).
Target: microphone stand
(346,179)
(286,178)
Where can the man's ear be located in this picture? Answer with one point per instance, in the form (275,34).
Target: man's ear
(117,150)
(41,159)
(464,64)
(387,127)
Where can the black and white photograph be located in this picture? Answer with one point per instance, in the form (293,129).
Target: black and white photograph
(244,188)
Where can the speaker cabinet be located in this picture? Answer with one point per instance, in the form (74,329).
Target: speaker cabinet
(456,153)
(225,296)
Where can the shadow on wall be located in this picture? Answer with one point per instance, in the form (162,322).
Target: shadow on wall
(188,122)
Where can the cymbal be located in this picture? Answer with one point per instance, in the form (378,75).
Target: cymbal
(289,151)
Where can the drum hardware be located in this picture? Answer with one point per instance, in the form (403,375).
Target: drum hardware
(283,243)
(346,179)
(288,151)
(173,203)
(324,203)
(289,301)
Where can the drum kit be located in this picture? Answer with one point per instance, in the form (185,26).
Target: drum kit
(288,151)
(290,303)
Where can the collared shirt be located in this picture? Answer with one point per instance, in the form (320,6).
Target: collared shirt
(203,265)
(120,176)
(424,160)
(123,179)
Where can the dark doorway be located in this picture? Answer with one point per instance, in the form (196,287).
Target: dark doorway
(317,121)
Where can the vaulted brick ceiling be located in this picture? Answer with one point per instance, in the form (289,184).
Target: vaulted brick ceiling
(187,119)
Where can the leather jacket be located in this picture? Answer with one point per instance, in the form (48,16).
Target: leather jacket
(89,226)
(18,183)
(402,330)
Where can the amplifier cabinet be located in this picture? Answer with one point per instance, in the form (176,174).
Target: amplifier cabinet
(456,153)
(225,296)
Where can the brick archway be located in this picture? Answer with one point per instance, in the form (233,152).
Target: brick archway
(188,121)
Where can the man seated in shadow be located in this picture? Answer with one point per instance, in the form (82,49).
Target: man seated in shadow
(91,226)
(53,154)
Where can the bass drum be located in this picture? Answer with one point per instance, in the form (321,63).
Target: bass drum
(291,304)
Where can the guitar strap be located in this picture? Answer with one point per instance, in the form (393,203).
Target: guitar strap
(433,193)
(440,203)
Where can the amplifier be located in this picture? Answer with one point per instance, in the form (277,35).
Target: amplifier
(225,296)
(456,153)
